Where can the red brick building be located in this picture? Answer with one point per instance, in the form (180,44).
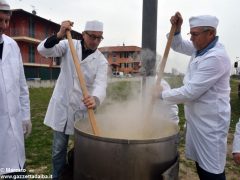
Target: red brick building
(29,30)
(124,59)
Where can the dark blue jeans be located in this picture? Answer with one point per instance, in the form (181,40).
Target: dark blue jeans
(204,175)
(59,153)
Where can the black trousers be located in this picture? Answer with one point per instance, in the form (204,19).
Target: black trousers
(204,175)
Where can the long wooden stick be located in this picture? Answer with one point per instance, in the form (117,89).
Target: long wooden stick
(82,83)
(165,55)
(161,69)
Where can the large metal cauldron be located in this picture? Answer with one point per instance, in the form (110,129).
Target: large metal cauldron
(101,158)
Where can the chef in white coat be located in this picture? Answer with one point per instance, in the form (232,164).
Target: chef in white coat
(14,101)
(205,94)
(236,144)
(66,104)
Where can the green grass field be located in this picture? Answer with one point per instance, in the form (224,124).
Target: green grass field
(38,145)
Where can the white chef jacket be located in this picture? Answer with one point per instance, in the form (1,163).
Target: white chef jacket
(14,107)
(206,96)
(236,140)
(66,104)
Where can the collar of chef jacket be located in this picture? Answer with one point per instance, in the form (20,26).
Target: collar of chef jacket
(210,46)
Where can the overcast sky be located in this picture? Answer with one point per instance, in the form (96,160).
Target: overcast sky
(123,20)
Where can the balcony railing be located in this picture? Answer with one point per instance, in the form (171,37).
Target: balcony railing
(14,32)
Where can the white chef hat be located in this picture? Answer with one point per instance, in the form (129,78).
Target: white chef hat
(203,20)
(94,26)
(4,6)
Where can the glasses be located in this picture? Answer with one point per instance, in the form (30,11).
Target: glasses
(93,37)
(196,34)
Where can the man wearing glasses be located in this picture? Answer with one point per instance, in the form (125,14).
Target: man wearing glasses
(205,95)
(67,103)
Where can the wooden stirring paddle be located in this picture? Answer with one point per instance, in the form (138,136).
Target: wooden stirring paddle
(82,82)
(161,70)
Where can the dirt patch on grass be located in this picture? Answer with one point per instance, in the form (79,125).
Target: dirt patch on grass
(187,169)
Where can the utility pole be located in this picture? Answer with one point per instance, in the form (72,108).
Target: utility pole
(149,38)
(149,34)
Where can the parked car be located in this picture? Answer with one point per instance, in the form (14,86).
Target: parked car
(118,74)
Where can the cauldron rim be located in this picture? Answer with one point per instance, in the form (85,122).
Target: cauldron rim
(125,141)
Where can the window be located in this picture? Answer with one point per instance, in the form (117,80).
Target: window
(31,27)
(114,54)
(58,61)
(122,54)
(126,54)
(31,53)
(46,31)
